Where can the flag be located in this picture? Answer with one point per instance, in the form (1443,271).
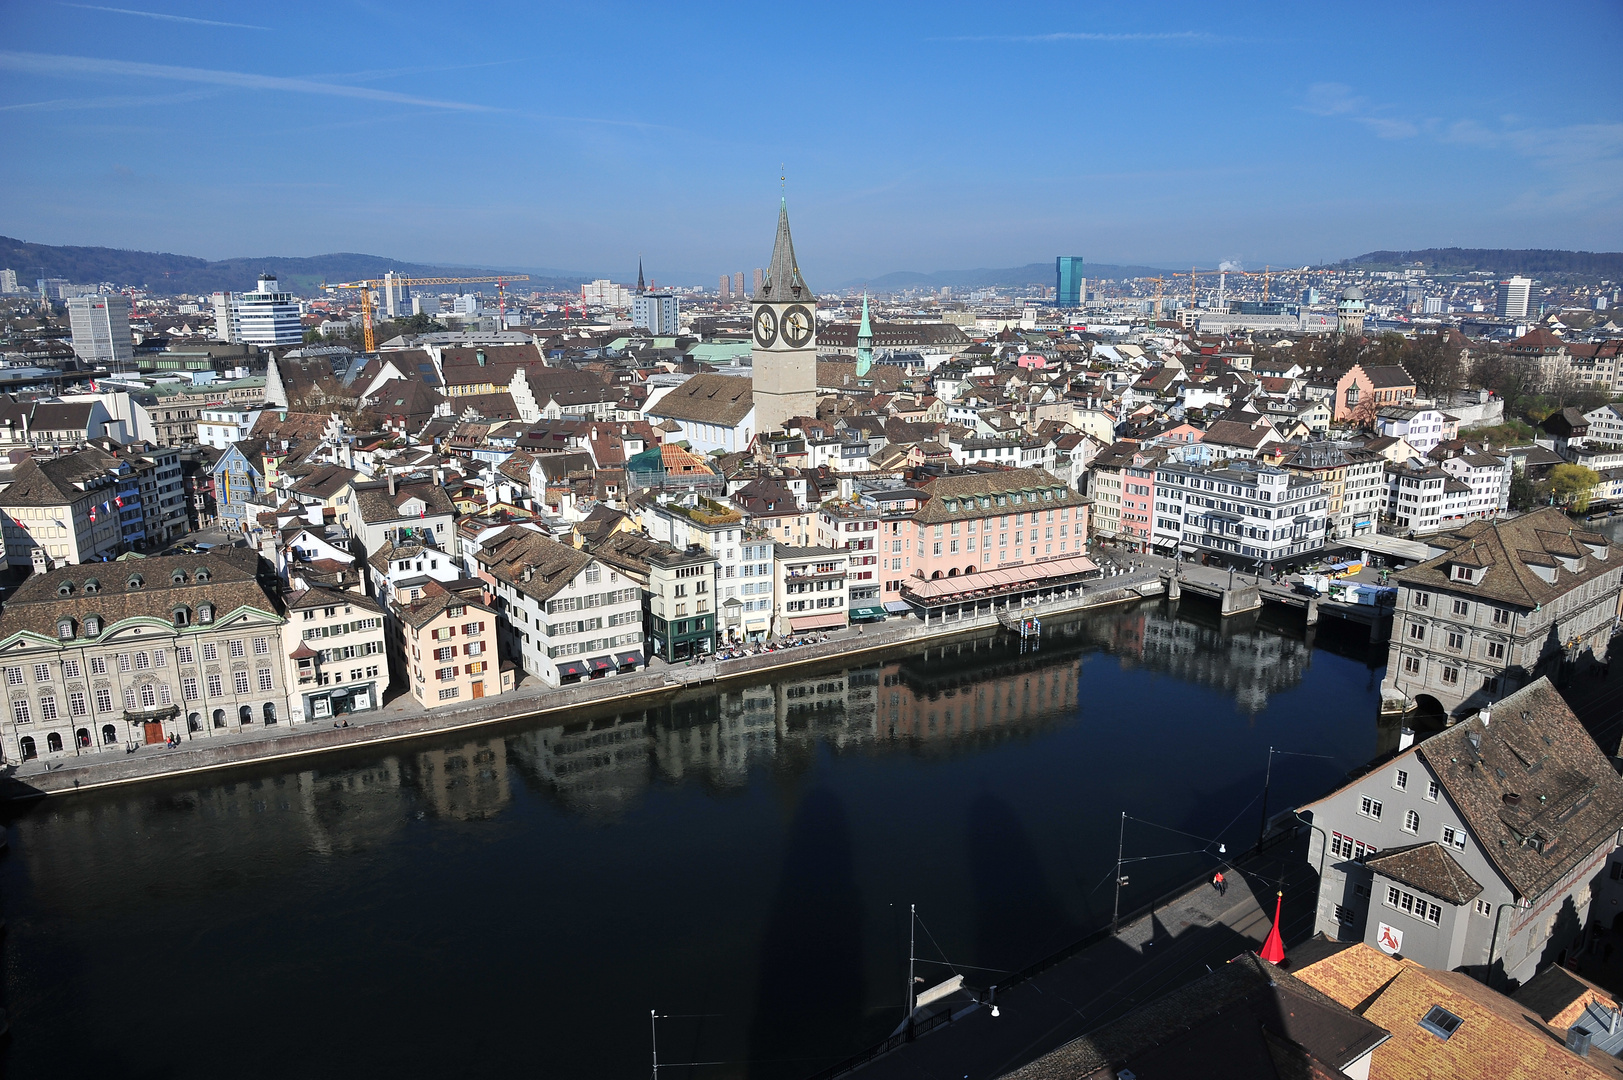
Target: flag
(1273,950)
(119,499)
(92,515)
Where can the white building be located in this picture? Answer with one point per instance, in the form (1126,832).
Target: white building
(101,328)
(1512,297)
(1420,427)
(222,425)
(605,293)
(266,317)
(225,317)
(1489,480)
(656,313)
(1248,513)
(811,589)
(8,282)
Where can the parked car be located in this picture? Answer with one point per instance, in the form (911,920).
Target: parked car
(1302,588)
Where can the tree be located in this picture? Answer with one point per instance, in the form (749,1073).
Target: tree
(1524,494)
(1573,484)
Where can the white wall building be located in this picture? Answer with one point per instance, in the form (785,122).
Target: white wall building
(266,317)
(221,425)
(1248,513)
(1511,299)
(101,328)
(657,313)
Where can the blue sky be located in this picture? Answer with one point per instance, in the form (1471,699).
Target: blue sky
(915,136)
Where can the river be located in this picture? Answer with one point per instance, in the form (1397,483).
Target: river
(739,860)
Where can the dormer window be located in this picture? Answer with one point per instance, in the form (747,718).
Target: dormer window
(137,581)
(64,629)
(202,575)
(183,617)
(205,613)
(1467,574)
(92,624)
(178,578)
(92,586)
(65,589)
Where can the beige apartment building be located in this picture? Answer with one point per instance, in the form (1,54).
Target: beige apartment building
(449,645)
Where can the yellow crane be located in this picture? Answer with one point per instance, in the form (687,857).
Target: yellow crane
(369,284)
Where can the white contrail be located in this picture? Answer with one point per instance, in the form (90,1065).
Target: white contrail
(48,64)
(1175,35)
(161,15)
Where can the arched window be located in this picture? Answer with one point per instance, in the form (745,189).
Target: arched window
(83,735)
(53,742)
(137,581)
(194,722)
(245,715)
(28,749)
(219,718)
(183,617)
(109,734)
(270,712)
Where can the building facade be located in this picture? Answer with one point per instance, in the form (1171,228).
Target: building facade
(334,647)
(266,317)
(1240,513)
(101,329)
(681,603)
(105,657)
(1499,604)
(448,640)
(784,358)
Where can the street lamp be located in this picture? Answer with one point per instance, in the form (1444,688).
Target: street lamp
(1121,839)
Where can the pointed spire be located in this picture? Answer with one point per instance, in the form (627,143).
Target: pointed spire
(640,286)
(864,340)
(783,283)
(1273,950)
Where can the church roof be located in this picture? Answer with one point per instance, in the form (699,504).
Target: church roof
(782,282)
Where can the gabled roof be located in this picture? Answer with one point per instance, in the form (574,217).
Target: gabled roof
(1536,793)
(1508,549)
(375,504)
(531,563)
(1428,867)
(724,400)
(57,481)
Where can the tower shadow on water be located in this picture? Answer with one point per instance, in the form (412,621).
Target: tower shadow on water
(1018,915)
(810,992)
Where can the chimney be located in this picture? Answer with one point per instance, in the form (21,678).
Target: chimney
(391,484)
(1486,716)
(1578,1039)
(1406,738)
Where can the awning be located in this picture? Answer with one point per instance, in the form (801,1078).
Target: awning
(572,667)
(628,659)
(817,622)
(757,624)
(1010,579)
(601,663)
(898,607)
(869,612)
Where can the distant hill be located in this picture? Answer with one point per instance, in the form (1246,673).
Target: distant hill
(163,273)
(1534,262)
(1031,274)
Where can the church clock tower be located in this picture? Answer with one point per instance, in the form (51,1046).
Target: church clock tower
(785,326)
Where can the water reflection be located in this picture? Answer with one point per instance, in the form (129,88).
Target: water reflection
(741,852)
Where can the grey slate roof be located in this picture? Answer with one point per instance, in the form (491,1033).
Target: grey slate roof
(1428,867)
(782,283)
(59,481)
(708,399)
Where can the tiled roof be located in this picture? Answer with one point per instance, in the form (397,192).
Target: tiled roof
(708,399)
(530,562)
(1508,549)
(1497,1038)
(1536,793)
(1034,485)
(1428,867)
(57,481)
(376,504)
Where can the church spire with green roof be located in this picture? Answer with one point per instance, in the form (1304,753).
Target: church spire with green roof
(864,341)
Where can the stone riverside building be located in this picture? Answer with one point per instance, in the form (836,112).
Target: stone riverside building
(99,656)
(1481,848)
(1497,605)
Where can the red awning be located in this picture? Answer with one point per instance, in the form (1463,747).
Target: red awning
(601,663)
(817,622)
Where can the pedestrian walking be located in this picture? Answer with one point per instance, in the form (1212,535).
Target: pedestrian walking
(1219,883)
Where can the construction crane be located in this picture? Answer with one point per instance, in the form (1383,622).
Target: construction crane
(1266,274)
(369,284)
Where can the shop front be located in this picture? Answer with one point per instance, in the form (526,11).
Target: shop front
(336,702)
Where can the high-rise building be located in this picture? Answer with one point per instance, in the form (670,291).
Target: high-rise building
(724,292)
(785,351)
(758,279)
(396,296)
(266,317)
(1513,295)
(50,288)
(1310,296)
(101,328)
(1070,287)
(225,318)
(8,281)
(656,312)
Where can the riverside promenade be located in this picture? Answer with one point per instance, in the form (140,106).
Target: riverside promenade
(402,718)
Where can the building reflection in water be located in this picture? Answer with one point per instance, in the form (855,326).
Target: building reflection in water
(467,782)
(1235,655)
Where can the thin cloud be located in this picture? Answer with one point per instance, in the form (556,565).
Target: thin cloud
(1066,35)
(47,64)
(161,15)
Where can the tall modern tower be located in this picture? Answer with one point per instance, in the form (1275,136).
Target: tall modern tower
(101,328)
(1070,287)
(1513,297)
(785,352)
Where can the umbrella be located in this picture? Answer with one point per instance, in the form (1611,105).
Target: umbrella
(1273,950)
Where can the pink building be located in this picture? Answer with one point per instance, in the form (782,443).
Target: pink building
(989,520)
(873,526)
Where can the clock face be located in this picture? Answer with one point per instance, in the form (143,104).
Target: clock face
(766,327)
(797,326)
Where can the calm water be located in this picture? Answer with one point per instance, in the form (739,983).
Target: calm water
(517,904)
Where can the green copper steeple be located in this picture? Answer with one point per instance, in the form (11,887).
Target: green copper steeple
(864,341)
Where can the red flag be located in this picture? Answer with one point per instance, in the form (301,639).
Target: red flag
(1273,950)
